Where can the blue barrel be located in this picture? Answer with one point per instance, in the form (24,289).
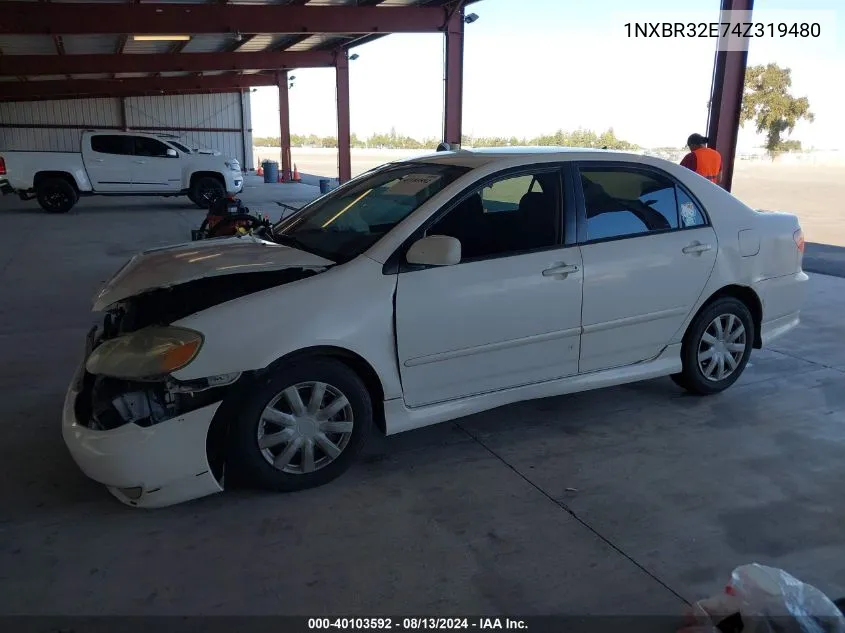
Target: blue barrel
(325,185)
(271,171)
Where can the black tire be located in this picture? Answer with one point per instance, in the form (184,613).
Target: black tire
(205,190)
(249,463)
(693,377)
(56,195)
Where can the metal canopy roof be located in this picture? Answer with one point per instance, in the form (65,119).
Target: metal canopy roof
(62,48)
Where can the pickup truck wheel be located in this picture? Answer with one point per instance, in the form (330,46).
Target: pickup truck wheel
(56,195)
(205,191)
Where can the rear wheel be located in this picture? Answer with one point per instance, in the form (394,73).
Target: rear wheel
(716,347)
(301,427)
(56,195)
(205,190)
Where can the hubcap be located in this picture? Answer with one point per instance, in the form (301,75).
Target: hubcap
(721,347)
(299,438)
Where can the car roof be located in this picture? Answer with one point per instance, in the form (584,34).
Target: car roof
(477,157)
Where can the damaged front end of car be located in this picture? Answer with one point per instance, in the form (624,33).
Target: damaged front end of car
(126,382)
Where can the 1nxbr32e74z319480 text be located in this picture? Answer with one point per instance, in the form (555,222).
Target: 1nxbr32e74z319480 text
(747,30)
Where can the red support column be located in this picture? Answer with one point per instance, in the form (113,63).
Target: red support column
(453,79)
(284,125)
(344,152)
(727,91)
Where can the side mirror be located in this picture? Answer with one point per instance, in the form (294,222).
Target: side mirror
(435,250)
(172,153)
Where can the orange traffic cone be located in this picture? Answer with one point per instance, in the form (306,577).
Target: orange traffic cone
(296,176)
(259,171)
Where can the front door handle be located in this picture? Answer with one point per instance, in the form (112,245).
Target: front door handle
(561,270)
(140,162)
(696,248)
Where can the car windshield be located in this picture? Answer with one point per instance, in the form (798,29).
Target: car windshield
(346,222)
(180,146)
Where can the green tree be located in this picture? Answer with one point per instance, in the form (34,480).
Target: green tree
(767,101)
(394,140)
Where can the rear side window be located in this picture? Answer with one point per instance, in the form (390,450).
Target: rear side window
(691,214)
(622,202)
(111,144)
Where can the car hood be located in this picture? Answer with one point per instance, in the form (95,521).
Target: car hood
(175,265)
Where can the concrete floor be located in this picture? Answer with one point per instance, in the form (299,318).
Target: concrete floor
(630,500)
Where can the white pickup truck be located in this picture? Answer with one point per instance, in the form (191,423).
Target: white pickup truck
(119,164)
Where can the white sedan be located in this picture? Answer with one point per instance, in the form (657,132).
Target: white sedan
(419,292)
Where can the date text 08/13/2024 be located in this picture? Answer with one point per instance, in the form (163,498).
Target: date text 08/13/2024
(416,624)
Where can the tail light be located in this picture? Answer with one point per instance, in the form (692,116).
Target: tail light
(2,166)
(798,236)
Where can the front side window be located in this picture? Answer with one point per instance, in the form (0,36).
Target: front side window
(504,195)
(150,147)
(180,147)
(346,222)
(514,214)
(111,144)
(622,202)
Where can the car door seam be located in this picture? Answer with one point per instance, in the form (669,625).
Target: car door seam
(492,347)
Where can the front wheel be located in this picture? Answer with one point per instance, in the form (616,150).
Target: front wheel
(300,427)
(716,347)
(205,190)
(56,195)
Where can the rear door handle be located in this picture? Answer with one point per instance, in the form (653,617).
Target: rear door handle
(99,160)
(696,248)
(140,162)
(561,270)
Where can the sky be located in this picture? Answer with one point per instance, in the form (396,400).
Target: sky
(532,67)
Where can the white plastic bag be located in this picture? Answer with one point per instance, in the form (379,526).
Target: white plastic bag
(766,600)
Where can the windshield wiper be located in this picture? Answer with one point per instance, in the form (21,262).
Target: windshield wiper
(291,241)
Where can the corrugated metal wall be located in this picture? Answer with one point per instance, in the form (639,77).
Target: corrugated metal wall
(199,119)
(77,112)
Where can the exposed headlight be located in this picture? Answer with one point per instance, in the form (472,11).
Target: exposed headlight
(147,353)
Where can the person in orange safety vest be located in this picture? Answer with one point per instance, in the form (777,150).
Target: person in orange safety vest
(703,160)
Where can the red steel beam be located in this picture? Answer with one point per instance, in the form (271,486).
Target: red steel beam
(161,62)
(453,79)
(83,126)
(284,124)
(35,90)
(96,18)
(344,140)
(726,97)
